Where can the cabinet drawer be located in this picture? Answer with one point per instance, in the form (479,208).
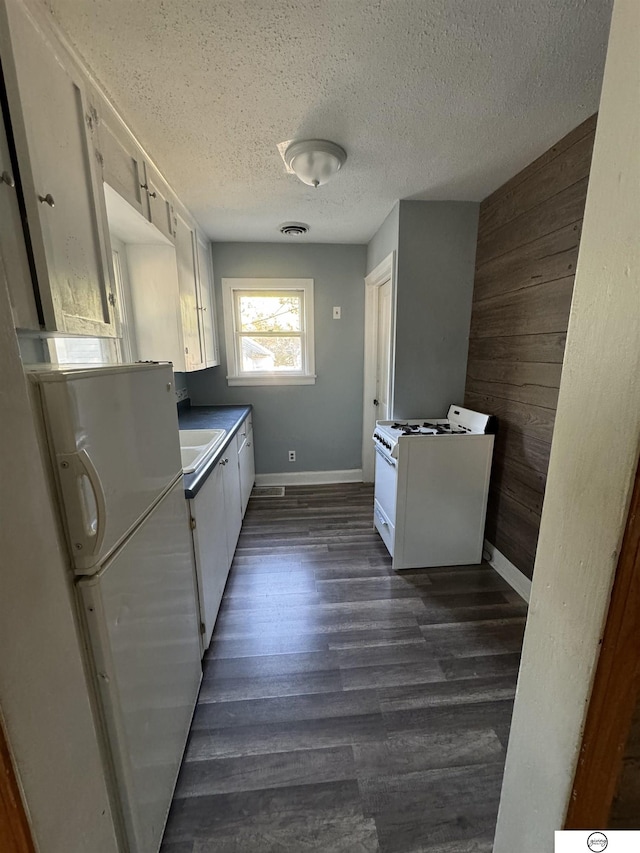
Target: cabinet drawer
(384,526)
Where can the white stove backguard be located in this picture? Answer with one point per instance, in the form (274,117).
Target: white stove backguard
(467,419)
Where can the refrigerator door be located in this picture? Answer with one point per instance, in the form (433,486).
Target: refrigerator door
(142,626)
(113,437)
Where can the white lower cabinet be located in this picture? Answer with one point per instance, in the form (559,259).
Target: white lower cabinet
(209,522)
(216,519)
(246,463)
(233,508)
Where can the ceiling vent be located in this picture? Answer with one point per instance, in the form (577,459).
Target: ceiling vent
(293,229)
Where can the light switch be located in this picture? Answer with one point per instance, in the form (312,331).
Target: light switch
(337,312)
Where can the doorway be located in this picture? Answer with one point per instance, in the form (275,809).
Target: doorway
(378,356)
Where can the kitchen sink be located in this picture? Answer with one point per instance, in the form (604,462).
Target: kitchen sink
(197,445)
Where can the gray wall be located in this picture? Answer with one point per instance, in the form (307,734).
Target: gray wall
(435,269)
(180,381)
(321,422)
(384,241)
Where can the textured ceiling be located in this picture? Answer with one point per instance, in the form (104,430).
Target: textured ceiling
(432,99)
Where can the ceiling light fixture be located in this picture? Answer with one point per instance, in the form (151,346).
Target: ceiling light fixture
(314,161)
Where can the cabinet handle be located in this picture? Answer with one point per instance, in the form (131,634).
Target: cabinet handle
(152,195)
(144,186)
(248,444)
(47,199)
(7,179)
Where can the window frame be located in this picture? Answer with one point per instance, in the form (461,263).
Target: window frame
(236,376)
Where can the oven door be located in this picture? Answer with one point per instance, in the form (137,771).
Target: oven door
(386,483)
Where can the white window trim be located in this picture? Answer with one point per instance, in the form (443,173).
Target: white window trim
(237,377)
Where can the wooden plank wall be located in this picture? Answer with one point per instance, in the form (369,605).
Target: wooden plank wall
(528,238)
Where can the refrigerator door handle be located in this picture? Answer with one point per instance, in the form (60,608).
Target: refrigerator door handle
(85,504)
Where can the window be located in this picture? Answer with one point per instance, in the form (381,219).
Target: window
(269,331)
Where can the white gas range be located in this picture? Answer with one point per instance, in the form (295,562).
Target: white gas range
(431,487)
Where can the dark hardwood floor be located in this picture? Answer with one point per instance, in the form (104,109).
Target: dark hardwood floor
(347,708)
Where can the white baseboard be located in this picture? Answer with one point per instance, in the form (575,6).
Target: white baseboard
(309,478)
(505,568)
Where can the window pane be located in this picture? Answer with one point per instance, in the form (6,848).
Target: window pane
(273,312)
(264,355)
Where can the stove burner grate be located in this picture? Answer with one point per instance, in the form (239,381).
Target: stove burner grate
(427,428)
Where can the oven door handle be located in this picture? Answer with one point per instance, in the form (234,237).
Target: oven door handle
(386,458)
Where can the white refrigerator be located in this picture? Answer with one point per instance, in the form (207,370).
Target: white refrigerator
(112,436)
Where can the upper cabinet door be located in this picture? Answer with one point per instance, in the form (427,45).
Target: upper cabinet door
(208,319)
(59,180)
(160,207)
(13,252)
(122,165)
(186,258)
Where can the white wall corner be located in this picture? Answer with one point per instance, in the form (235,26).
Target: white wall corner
(505,568)
(310,478)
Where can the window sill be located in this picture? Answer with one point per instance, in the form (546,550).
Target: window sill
(271,380)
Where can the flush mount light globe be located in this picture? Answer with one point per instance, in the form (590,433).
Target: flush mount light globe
(314,161)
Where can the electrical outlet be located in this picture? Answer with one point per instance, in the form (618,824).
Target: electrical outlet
(337,312)
(181,394)
(292,456)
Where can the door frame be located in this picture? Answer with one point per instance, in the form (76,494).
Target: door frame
(615,692)
(15,833)
(384,272)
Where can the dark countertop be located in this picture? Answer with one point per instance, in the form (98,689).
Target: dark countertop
(210,417)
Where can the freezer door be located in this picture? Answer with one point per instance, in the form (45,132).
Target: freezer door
(113,437)
(140,616)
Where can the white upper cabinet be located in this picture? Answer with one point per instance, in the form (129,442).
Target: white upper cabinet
(13,253)
(122,162)
(207,304)
(187,279)
(196,296)
(126,170)
(58,173)
(159,202)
